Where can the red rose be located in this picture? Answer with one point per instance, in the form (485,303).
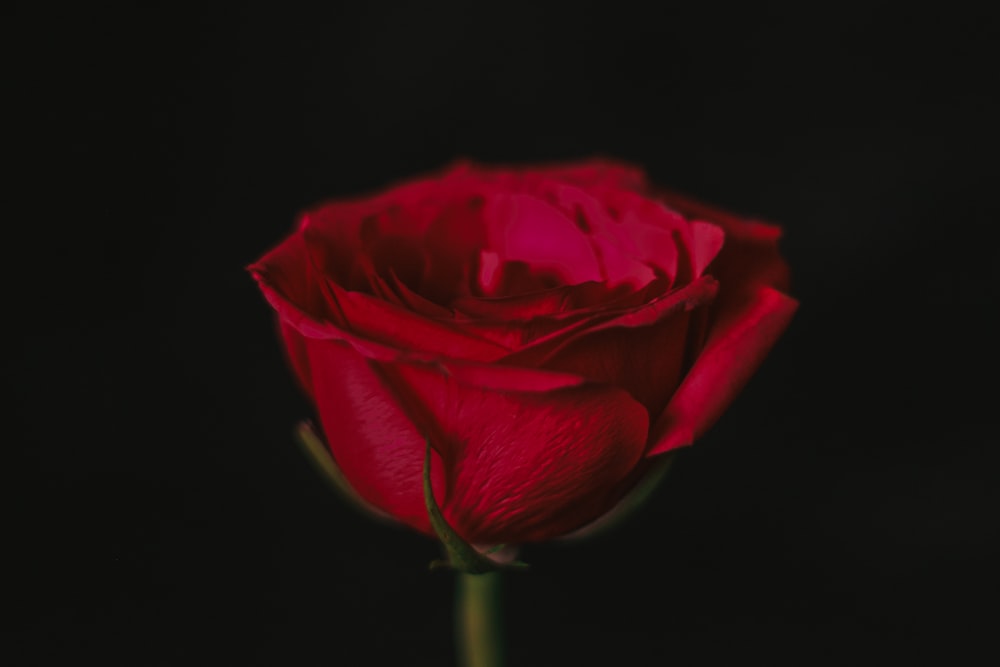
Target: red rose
(549,330)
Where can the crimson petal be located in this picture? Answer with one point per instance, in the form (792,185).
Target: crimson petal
(372,440)
(736,345)
(522,466)
(545,349)
(316,305)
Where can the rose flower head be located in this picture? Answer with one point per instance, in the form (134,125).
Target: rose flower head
(549,330)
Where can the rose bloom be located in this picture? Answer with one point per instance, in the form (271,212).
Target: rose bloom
(550,330)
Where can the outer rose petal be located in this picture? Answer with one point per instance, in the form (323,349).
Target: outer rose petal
(523,466)
(287,271)
(291,279)
(373,441)
(305,324)
(737,343)
(734,225)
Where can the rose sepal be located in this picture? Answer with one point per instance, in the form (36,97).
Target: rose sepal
(461,556)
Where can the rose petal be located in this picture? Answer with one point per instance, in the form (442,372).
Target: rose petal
(289,274)
(645,361)
(750,256)
(310,327)
(510,378)
(706,242)
(415,302)
(747,263)
(616,253)
(523,307)
(544,350)
(732,224)
(654,246)
(373,441)
(292,279)
(737,343)
(527,229)
(454,241)
(381,287)
(523,466)
(517,321)
(661,237)
(381,321)
(643,356)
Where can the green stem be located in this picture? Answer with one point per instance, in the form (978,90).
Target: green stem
(478,632)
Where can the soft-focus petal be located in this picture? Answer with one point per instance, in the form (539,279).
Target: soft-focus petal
(655,246)
(706,242)
(616,253)
(737,343)
(529,230)
(660,236)
(731,223)
(454,241)
(749,259)
(597,172)
(591,173)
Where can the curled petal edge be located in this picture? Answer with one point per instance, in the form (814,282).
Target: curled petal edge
(731,354)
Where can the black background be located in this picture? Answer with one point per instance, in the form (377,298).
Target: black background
(844,508)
